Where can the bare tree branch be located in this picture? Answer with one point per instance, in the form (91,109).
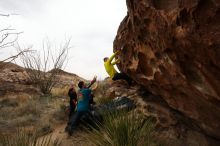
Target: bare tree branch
(38,68)
(5,15)
(6,29)
(6,61)
(5,34)
(6,41)
(15,56)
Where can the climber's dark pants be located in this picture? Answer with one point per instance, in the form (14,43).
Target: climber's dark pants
(122,76)
(74,120)
(71,112)
(80,116)
(91,100)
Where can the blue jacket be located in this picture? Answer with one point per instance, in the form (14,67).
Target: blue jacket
(84,96)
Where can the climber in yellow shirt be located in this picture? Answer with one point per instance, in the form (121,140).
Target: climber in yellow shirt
(109,67)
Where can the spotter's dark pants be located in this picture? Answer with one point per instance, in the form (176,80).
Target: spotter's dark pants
(79,116)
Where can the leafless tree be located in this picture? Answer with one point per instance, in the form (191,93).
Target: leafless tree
(8,37)
(43,69)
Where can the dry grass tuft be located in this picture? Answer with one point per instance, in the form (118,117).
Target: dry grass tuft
(60,115)
(8,103)
(23,137)
(60,91)
(32,112)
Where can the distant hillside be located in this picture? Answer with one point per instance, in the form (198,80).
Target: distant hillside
(14,78)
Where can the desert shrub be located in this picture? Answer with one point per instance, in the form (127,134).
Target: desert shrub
(27,108)
(8,102)
(30,107)
(44,129)
(61,114)
(43,68)
(26,113)
(23,137)
(123,129)
(60,91)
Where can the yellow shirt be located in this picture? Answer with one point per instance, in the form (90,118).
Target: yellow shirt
(109,66)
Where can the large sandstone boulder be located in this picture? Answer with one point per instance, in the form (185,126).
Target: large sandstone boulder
(172,127)
(173,48)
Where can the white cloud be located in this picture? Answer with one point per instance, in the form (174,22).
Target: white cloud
(92,25)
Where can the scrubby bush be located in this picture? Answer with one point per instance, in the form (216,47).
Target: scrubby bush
(60,92)
(43,68)
(23,137)
(60,115)
(123,129)
(8,103)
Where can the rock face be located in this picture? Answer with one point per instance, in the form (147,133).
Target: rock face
(14,79)
(173,48)
(173,128)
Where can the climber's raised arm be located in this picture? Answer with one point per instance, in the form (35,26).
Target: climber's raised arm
(116,61)
(92,82)
(113,56)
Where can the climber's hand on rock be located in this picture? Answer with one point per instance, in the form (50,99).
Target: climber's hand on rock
(118,52)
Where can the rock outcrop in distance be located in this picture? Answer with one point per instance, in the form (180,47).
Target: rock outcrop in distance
(14,79)
(172,48)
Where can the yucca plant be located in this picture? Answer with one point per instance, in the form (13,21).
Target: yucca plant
(123,129)
(25,138)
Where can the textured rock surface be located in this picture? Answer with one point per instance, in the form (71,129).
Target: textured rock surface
(173,48)
(14,79)
(173,128)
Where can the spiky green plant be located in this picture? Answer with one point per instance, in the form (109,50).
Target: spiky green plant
(123,129)
(25,138)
